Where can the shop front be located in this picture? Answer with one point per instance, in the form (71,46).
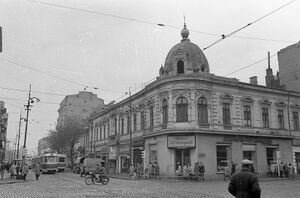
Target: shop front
(137,150)
(123,158)
(182,144)
(112,159)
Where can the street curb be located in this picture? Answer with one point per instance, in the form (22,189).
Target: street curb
(10,182)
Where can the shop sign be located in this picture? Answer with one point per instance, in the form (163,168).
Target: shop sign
(265,141)
(138,143)
(112,154)
(181,141)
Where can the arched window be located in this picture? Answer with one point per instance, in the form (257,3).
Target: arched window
(165,109)
(202,111)
(181,109)
(180,67)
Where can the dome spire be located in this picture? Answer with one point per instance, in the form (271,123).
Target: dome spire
(184,32)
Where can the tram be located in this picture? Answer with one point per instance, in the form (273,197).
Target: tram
(50,162)
(61,162)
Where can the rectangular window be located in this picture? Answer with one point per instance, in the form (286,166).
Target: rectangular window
(95,133)
(115,125)
(100,132)
(296,120)
(271,154)
(226,114)
(151,117)
(280,119)
(104,131)
(128,124)
(108,130)
(247,115)
(222,157)
(265,117)
(134,123)
(142,120)
(122,126)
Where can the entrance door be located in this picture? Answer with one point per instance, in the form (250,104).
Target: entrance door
(183,157)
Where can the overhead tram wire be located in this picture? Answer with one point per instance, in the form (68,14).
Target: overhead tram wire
(148,22)
(54,76)
(223,36)
(259,61)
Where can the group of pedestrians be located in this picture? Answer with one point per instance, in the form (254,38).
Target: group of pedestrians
(280,169)
(18,171)
(192,173)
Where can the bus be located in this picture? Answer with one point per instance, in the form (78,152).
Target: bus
(61,162)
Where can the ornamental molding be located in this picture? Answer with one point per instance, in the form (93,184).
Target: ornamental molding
(265,102)
(247,99)
(181,92)
(226,98)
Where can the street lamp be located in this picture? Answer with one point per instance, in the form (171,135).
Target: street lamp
(27,108)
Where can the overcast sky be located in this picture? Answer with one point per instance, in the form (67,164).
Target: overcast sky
(108,51)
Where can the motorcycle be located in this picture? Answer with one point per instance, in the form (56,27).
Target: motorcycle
(91,179)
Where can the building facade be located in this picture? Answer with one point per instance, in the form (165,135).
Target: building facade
(3,130)
(188,115)
(80,105)
(43,146)
(289,67)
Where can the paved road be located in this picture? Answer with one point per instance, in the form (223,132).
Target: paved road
(71,185)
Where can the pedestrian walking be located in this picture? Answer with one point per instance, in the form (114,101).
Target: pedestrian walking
(131,171)
(37,171)
(227,175)
(25,172)
(2,169)
(201,171)
(12,171)
(233,168)
(244,184)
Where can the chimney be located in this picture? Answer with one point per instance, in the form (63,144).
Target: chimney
(253,80)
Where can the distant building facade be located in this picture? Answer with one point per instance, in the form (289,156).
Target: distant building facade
(3,130)
(289,67)
(80,105)
(43,146)
(188,115)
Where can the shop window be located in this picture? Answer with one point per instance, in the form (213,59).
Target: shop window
(271,154)
(280,119)
(249,153)
(222,157)
(265,117)
(165,108)
(226,115)
(202,111)
(181,109)
(296,120)
(180,67)
(247,115)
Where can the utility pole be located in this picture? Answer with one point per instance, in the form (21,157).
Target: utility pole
(130,133)
(27,108)
(18,140)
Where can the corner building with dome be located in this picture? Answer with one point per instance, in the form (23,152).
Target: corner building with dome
(189,115)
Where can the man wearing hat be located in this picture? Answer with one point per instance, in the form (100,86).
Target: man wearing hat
(244,184)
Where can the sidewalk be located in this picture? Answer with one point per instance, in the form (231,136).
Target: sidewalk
(126,176)
(6,179)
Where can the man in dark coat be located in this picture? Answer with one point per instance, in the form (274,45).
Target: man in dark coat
(244,184)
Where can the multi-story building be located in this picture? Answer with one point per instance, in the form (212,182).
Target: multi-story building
(80,105)
(43,146)
(3,130)
(289,67)
(188,115)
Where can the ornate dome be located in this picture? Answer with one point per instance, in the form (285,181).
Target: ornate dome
(185,58)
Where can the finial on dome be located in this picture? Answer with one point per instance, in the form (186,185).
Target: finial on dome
(184,32)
